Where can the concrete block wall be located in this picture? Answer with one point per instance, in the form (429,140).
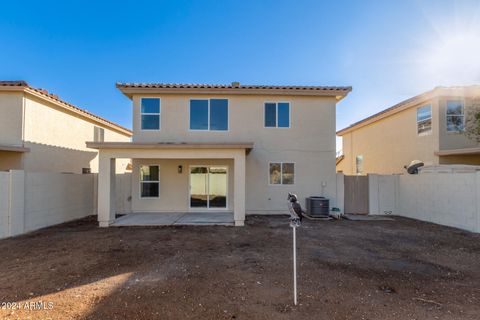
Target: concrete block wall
(53,198)
(34,200)
(4,204)
(451,199)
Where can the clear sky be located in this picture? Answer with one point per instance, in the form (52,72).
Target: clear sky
(387,50)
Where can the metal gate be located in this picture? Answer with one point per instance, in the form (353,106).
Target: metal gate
(356,194)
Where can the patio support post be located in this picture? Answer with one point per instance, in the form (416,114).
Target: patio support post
(106,190)
(239,189)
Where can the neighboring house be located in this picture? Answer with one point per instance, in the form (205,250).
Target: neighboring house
(232,148)
(41,133)
(428,127)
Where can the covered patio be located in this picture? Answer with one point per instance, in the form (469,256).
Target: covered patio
(175,200)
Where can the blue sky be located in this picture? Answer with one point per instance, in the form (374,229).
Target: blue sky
(387,50)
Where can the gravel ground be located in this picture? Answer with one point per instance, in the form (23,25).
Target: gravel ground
(402,269)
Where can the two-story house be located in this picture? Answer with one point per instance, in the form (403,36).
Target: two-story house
(235,148)
(39,132)
(428,127)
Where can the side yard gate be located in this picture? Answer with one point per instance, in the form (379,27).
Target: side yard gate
(356,194)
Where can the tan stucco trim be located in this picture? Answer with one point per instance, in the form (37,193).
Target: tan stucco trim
(13,148)
(67,106)
(338,94)
(163,145)
(457,152)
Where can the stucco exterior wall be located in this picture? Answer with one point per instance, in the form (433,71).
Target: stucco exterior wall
(11,115)
(174,186)
(56,139)
(390,143)
(309,143)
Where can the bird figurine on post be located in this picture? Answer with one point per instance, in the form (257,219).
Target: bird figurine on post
(296,211)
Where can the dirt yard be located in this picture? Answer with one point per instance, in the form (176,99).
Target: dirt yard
(401,269)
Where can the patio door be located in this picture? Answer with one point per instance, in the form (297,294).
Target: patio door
(208,187)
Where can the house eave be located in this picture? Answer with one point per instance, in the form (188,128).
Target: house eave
(338,94)
(13,148)
(168,145)
(454,152)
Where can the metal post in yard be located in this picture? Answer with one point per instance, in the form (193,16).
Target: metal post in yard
(294,265)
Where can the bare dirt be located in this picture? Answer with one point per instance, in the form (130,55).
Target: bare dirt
(401,269)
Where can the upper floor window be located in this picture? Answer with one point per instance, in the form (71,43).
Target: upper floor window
(209,114)
(424,120)
(277,114)
(150,113)
(455,116)
(282,173)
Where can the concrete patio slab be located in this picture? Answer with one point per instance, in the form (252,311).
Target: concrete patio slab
(174,218)
(206,218)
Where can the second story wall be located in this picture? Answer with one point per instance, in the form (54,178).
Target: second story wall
(386,145)
(312,122)
(56,138)
(11,114)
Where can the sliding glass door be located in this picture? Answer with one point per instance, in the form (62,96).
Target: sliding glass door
(208,187)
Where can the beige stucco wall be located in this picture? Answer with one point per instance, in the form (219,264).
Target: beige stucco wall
(57,137)
(11,114)
(389,144)
(174,186)
(309,143)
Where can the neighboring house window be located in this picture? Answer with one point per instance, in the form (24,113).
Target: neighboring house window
(149,181)
(424,120)
(359,164)
(455,116)
(150,113)
(277,114)
(98,134)
(209,114)
(282,173)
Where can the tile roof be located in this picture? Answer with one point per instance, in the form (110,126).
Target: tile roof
(46,95)
(228,86)
(237,87)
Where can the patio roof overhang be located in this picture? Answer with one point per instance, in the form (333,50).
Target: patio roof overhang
(21,149)
(454,152)
(247,146)
(110,151)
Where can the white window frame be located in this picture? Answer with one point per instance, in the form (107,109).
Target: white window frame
(151,114)
(208,208)
(431,124)
(447,115)
(281,173)
(276,114)
(208,115)
(142,182)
